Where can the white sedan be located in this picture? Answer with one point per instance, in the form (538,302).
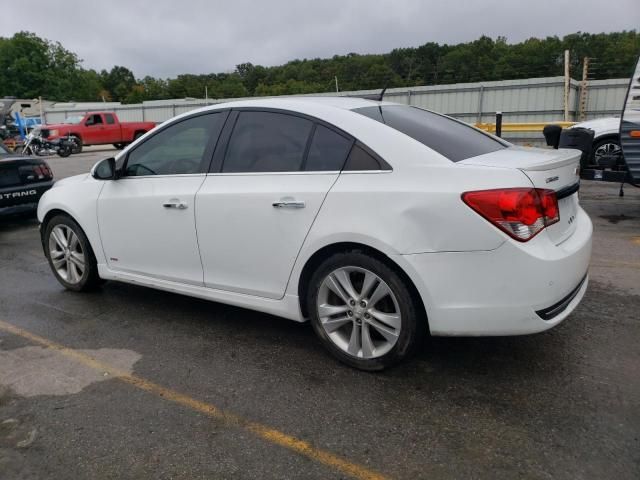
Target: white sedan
(378,222)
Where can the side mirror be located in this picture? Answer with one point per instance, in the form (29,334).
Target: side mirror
(105,170)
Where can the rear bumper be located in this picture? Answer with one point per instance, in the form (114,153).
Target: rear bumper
(18,196)
(506,291)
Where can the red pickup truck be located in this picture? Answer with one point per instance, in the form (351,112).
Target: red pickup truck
(97,128)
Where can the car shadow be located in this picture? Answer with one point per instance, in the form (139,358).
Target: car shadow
(450,357)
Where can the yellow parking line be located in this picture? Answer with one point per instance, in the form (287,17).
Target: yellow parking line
(230,419)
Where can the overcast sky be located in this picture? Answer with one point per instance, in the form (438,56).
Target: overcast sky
(167,37)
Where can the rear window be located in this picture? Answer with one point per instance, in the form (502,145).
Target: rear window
(451,138)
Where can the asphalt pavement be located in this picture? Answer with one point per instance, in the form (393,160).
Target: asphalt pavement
(131,383)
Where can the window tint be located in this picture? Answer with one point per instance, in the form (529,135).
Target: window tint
(177,149)
(267,142)
(109,118)
(451,138)
(359,159)
(328,150)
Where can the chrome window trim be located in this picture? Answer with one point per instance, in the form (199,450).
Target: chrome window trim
(244,174)
(318,172)
(134,177)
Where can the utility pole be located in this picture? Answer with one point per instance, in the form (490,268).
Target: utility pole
(336,79)
(583,90)
(567,84)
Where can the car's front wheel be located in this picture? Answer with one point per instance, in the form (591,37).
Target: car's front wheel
(70,255)
(364,312)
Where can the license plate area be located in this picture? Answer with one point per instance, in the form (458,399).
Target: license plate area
(568,207)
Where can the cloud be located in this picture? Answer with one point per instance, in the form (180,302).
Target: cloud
(168,37)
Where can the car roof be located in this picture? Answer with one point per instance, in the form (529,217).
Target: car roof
(290,103)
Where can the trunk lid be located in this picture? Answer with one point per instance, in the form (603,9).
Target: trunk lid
(556,170)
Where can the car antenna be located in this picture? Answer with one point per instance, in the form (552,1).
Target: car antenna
(382,94)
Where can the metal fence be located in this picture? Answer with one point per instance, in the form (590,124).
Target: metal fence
(527,100)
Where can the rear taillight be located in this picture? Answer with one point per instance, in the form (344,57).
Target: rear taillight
(35,173)
(42,172)
(522,213)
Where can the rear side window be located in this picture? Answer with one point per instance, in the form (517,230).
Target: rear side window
(451,138)
(109,118)
(359,159)
(267,142)
(328,150)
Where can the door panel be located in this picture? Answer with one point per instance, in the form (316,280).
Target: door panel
(111,132)
(145,230)
(92,133)
(247,244)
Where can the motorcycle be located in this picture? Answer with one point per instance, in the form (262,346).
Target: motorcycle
(35,144)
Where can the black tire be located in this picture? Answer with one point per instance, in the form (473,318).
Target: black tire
(413,322)
(89,279)
(65,151)
(119,146)
(137,135)
(602,143)
(78,142)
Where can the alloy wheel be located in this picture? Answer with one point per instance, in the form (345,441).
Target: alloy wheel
(609,148)
(359,312)
(67,256)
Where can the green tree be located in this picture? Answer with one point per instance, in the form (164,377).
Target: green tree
(24,60)
(119,82)
(31,67)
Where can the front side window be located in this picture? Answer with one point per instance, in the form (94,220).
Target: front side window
(73,120)
(109,118)
(94,120)
(267,142)
(451,138)
(177,149)
(328,150)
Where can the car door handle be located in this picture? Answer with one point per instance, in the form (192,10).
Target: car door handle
(288,204)
(175,204)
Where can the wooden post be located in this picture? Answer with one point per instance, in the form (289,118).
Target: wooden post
(567,84)
(583,90)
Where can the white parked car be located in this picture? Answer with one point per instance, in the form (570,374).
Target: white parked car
(606,138)
(378,222)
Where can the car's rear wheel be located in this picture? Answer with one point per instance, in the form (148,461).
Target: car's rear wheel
(64,151)
(70,255)
(604,149)
(363,311)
